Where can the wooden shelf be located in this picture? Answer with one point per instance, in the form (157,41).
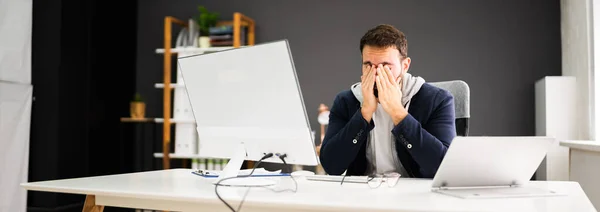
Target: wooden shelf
(129,119)
(239,20)
(175,121)
(179,156)
(173,85)
(157,120)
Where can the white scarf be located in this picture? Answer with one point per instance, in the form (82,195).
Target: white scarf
(381,151)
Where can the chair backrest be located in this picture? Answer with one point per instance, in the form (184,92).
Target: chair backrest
(460,90)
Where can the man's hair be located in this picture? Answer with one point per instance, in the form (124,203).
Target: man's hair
(383,36)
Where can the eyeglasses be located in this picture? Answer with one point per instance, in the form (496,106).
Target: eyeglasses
(376,180)
(391,179)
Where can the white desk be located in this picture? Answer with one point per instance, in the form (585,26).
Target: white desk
(179,190)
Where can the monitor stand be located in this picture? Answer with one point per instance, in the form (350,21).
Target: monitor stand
(232,169)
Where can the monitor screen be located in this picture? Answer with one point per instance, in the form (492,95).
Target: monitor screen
(249,95)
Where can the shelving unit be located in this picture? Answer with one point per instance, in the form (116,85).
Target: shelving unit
(239,20)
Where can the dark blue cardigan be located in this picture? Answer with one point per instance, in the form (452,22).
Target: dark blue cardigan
(422,138)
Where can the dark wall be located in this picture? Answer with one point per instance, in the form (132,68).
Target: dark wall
(83,76)
(499,47)
(43,153)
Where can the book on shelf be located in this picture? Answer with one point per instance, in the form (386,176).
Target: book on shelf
(221,42)
(223,35)
(221,30)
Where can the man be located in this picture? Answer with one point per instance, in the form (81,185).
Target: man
(390,122)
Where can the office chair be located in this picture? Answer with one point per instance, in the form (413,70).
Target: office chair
(460,90)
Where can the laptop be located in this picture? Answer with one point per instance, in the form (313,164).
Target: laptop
(492,167)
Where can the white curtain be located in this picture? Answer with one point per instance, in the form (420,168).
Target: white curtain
(15,101)
(15,107)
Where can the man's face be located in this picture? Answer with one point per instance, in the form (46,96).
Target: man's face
(388,56)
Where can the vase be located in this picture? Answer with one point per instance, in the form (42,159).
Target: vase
(204,41)
(137,110)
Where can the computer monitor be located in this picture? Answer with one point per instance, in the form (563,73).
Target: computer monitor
(247,102)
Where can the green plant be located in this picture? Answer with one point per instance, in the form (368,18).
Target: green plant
(206,20)
(137,98)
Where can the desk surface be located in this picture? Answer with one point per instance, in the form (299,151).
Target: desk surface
(179,190)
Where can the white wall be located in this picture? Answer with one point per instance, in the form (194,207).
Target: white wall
(15,101)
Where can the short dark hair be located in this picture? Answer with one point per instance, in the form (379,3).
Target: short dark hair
(383,36)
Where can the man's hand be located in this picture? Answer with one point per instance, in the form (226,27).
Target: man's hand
(390,94)
(369,101)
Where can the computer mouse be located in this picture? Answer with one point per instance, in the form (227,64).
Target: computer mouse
(302,173)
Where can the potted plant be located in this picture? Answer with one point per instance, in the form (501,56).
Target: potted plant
(205,21)
(137,107)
